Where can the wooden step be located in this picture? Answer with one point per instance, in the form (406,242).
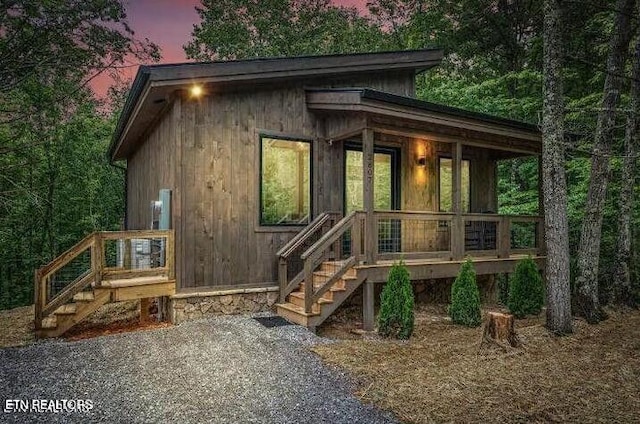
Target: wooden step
(332,267)
(337,287)
(83,309)
(49,323)
(294,313)
(85,296)
(131,282)
(68,309)
(300,295)
(320,277)
(297,298)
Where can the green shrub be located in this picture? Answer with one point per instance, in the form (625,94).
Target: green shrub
(396,304)
(526,291)
(465,297)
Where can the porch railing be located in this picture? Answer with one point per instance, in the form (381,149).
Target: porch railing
(400,234)
(447,236)
(98,257)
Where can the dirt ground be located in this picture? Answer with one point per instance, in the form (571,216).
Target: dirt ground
(443,375)
(16,325)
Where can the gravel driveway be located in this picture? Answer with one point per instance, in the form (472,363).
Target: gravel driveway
(226,369)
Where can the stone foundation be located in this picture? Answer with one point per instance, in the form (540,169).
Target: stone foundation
(189,306)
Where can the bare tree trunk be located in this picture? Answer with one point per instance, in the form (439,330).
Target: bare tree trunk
(621,278)
(586,282)
(554,180)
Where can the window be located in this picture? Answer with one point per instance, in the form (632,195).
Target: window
(285,181)
(446,185)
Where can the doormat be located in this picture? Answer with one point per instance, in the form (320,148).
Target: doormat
(274,321)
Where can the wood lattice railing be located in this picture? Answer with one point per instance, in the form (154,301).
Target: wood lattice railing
(99,257)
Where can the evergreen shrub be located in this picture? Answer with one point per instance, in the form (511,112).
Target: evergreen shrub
(465,297)
(396,316)
(526,289)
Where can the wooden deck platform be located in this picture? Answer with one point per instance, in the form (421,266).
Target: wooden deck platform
(62,302)
(425,269)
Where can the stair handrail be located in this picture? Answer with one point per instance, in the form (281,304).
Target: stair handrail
(68,255)
(43,307)
(312,255)
(286,282)
(331,236)
(300,238)
(337,275)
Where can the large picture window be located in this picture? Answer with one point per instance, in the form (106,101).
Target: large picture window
(285,181)
(446,185)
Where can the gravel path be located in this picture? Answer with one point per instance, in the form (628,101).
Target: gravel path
(226,369)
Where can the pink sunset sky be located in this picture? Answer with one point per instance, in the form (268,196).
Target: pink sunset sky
(169,23)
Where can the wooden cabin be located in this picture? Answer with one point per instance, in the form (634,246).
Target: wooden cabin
(295,181)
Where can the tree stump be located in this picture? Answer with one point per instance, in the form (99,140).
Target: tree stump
(499,329)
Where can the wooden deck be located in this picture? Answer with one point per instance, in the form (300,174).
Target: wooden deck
(323,264)
(103,267)
(425,269)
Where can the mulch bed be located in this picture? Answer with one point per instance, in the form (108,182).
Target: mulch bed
(95,330)
(445,374)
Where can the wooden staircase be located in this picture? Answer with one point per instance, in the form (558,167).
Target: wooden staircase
(68,315)
(294,307)
(98,283)
(326,279)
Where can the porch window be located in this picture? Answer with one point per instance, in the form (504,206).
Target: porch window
(446,185)
(285,181)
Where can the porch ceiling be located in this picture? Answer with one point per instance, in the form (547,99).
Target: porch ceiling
(413,118)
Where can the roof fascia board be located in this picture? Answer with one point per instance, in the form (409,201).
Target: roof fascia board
(313,64)
(441,138)
(161,81)
(353,101)
(441,119)
(132,117)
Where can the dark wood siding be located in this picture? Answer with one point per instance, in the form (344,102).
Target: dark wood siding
(206,151)
(155,166)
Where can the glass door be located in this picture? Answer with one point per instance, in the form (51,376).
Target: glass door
(385,192)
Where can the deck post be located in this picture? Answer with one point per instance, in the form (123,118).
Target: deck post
(457,227)
(97,258)
(368,301)
(283,278)
(356,238)
(504,237)
(370,234)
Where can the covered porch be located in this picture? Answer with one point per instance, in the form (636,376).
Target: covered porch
(445,208)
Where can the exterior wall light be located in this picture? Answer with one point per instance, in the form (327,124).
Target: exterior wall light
(196,91)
